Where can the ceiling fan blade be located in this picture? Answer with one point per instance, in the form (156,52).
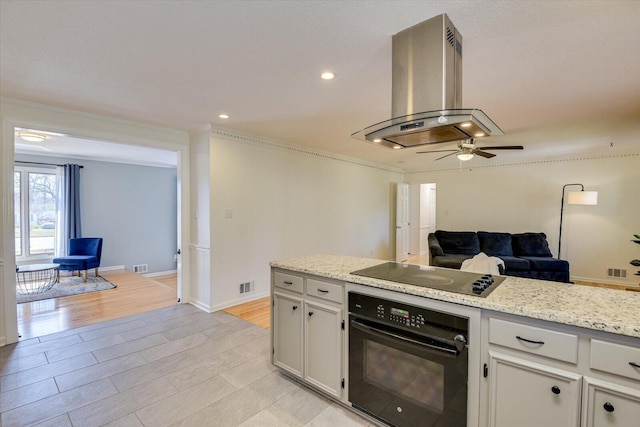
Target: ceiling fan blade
(484,154)
(446,155)
(434,151)
(504,147)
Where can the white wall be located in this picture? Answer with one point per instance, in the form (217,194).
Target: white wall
(200,246)
(285,203)
(526,197)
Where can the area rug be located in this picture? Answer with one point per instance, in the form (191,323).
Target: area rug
(70,285)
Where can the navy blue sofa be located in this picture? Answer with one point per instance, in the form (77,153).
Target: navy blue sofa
(524,254)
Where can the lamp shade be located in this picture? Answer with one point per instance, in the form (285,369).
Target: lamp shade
(582,198)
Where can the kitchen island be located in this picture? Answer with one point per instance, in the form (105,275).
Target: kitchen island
(580,344)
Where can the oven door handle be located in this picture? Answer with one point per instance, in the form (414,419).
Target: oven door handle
(375,331)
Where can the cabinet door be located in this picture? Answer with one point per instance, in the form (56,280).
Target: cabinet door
(323,355)
(287,332)
(526,394)
(609,405)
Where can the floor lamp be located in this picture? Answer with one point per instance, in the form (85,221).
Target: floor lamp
(575,198)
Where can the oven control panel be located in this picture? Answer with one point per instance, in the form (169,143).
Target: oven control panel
(404,315)
(400,316)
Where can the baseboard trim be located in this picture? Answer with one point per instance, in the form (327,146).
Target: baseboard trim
(605,281)
(239,301)
(113,267)
(160,273)
(202,306)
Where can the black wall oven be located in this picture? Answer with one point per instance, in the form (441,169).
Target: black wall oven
(408,365)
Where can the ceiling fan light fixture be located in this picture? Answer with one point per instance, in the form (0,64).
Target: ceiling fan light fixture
(464,156)
(31,136)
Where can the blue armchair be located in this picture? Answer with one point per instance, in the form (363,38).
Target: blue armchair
(84,253)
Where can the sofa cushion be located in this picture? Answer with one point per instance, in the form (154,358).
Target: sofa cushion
(547,263)
(530,244)
(495,244)
(450,260)
(458,242)
(512,263)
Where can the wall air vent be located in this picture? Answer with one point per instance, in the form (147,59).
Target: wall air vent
(141,268)
(617,272)
(247,287)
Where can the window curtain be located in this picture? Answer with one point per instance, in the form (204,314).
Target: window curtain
(68,223)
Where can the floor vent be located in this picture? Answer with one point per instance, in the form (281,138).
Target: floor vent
(141,268)
(617,272)
(246,287)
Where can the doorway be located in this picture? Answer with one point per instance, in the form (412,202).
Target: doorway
(422,221)
(89,127)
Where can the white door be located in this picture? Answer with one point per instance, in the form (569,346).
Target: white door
(402,222)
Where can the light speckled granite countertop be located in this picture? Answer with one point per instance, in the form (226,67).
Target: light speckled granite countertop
(584,306)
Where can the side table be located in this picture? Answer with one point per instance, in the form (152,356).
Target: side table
(36,278)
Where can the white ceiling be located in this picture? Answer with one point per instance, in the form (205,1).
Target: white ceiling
(559,77)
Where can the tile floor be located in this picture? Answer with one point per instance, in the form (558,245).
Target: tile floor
(176,366)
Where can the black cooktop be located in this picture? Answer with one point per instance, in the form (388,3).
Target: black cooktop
(446,279)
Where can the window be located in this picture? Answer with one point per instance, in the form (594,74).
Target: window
(35,218)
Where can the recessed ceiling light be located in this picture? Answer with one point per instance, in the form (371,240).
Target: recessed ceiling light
(327,75)
(377,140)
(465,125)
(31,137)
(396,147)
(223,116)
(479,134)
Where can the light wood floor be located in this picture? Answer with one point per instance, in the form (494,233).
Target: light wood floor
(134,294)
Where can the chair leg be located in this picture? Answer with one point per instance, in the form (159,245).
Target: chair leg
(85,276)
(96,271)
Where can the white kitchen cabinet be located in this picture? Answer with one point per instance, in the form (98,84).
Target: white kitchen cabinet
(323,347)
(597,375)
(609,405)
(307,329)
(527,394)
(288,332)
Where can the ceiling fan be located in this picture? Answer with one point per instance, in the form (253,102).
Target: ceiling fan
(467,149)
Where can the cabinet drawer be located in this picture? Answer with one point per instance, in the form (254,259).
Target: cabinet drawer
(325,290)
(543,342)
(288,281)
(615,359)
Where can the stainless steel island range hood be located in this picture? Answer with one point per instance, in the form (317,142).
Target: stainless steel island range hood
(427,91)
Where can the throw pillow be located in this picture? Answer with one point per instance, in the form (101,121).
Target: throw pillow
(495,244)
(530,244)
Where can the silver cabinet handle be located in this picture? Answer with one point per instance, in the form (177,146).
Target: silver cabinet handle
(323,291)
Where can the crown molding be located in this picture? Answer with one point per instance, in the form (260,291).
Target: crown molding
(226,134)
